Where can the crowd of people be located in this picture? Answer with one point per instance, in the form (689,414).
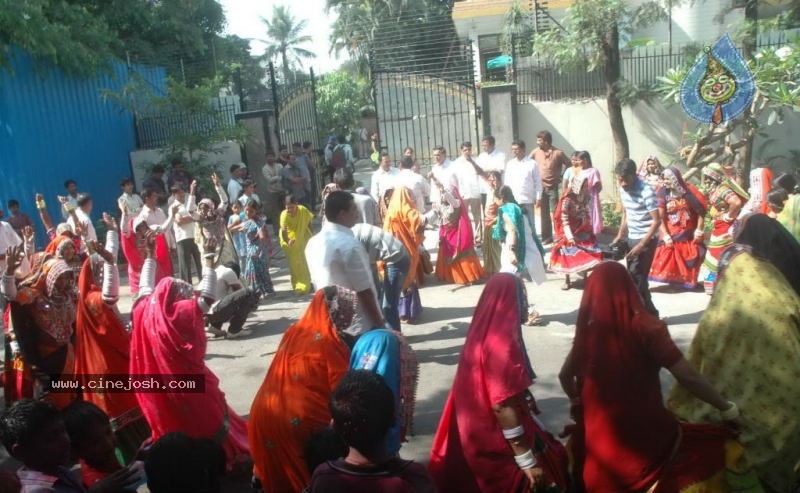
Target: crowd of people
(337,401)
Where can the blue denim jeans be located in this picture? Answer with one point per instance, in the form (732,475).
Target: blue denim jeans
(393,279)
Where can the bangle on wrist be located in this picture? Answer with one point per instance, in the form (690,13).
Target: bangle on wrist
(510,433)
(40,204)
(526,460)
(731,413)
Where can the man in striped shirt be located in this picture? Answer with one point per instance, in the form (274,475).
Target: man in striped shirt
(383,246)
(640,223)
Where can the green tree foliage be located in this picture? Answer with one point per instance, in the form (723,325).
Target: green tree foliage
(284,39)
(594,31)
(244,74)
(81,36)
(341,97)
(777,74)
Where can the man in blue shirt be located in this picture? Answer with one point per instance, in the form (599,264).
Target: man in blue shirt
(640,222)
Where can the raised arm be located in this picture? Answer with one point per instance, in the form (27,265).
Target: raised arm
(41,206)
(223,197)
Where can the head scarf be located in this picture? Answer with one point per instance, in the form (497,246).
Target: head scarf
(469,452)
(625,433)
(57,245)
(341,304)
(716,172)
(679,188)
(404,222)
(643,167)
(55,269)
(765,238)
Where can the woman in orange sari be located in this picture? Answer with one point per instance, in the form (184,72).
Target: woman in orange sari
(456,261)
(102,346)
(405,223)
(292,402)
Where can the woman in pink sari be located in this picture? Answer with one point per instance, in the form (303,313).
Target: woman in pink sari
(488,438)
(133,230)
(595,187)
(169,339)
(457,261)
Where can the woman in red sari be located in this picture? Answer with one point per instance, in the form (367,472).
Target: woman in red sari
(625,440)
(575,249)
(457,261)
(169,339)
(488,439)
(102,346)
(681,250)
(292,403)
(132,235)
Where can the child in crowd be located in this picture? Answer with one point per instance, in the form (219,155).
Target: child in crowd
(776,200)
(33,432)
(238,237)
(362,407)
(178,463)
(94,444)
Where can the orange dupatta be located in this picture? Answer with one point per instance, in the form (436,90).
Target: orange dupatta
(404,222)
(292,402)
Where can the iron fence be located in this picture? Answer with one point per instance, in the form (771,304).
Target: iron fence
(540,80)
(155,131)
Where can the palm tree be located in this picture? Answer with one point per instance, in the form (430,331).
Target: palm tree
(285,35)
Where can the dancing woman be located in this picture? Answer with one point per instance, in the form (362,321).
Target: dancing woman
(295,231)
(680,252)
(456,261)
(727,199)
(404,222)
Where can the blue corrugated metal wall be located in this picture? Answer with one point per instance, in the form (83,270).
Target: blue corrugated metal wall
(54,128)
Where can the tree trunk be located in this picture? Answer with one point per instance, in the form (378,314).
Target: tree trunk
(748,51)
(612,73)
(286,73)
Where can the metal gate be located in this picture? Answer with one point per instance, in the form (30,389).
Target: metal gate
(295,110)
(425,94)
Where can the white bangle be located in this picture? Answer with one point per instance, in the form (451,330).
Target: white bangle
(526,460)
(731,413)
(698,233)
(508,434)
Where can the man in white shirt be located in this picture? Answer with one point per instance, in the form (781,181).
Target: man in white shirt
(249,193)
(491,159)
(238,172)
(419,186)
(81,219)
(336,257)
(129,202)
(383,178)
(234,302)
(522,176)
(71,186)
(183,228)
(440,172)
(467,181)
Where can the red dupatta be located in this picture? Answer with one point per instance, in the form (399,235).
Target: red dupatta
(135,260)
(102,346)
(469,452)
(454,241)
(169,339)
(625,435)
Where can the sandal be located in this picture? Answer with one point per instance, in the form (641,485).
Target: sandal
(534,319)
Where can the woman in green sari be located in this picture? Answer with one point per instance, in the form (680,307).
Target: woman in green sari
(294,235)
(752,352)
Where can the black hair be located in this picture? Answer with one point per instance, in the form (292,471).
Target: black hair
(13,203)
(79,417)
(234,266)
(343,178)
(575,154)
(585,155)
(337,202)
(496,174)
(296,144)
(341,139)
(625,167)
(519,143)
(83,199)
(23,420)
(775,198)
(786,181)
(147,193)
(290,199)
(466,143)
(322,446)
(70,182)
(489,139)
(248,183)
(282,148)
(505,194)
(233,168)
(441,149)
(177,187)
(124,182)
(384,154)
(157,169)
(407,162)
(545,136)
(409,148)
(269,152)
(178,463)
(251,202)
(362,408)
(176,160)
